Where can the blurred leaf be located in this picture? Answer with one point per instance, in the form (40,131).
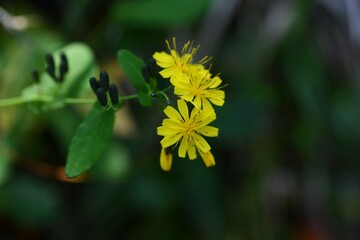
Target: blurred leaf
(31,202)
(132,67)
(159,13)
(4,163)
(115,164)
(90,141)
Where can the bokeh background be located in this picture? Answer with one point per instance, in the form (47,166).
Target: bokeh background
(289,146)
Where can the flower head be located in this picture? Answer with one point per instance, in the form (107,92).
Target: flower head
(174,63)
(199,88)
(187,130)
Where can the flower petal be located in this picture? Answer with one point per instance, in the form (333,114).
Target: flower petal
(169,72)
(191,149)
(201,143)
(216,96)
(172,124)
(208,158)
(166,131)
(168,141)
(163,59)
(197,102)
(183,146)
(173,114)
(183,108)
(209,131)
(205,116)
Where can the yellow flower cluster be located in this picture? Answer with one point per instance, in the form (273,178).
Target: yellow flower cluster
(195,84)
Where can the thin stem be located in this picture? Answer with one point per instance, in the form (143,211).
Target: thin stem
(79,100)
(129,97)
(11,101)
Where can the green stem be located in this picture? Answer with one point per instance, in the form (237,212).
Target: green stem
(11,101)
(79,100)
(129,97)
(44,98)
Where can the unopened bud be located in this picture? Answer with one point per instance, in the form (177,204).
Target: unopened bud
(114,94)
(101,96)
(94,84)
(104,80)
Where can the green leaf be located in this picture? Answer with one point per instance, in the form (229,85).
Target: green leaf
(90,141)
(132,68)
(159,13)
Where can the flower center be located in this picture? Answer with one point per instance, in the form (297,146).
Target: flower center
(188,128)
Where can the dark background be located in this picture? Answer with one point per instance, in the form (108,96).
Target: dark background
(287,158)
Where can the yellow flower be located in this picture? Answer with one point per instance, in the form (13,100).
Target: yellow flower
(187,130)
(199,88)
(175,63)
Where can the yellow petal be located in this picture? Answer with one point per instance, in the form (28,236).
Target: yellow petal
(166,131)
(191,149)
(171,124)
(206,103)
(183,108)
(182,91)
(183,146)
(205,116)
(197,102)
(169,72)
(188,97)
(215,82)
(208,158)
(165,159)
(209,131)
(163,59)
(173,114)
(201,143)
(216,96)
(168,141)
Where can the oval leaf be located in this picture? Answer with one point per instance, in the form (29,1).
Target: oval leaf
(131,65)
(90,141)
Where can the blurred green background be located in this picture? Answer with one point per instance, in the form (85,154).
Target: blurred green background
(288,152)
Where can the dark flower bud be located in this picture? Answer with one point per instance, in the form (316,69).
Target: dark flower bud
(101,96)
(64,62)
(35,75)
(64,67)
(50,71)
(145,73)
(49,59)
(104,80)
(114,94)
(94,84)
(50,65)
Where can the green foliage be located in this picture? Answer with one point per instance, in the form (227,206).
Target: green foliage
(159,13)
(90,141)
(4,164)
(34,204)
(132,67)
